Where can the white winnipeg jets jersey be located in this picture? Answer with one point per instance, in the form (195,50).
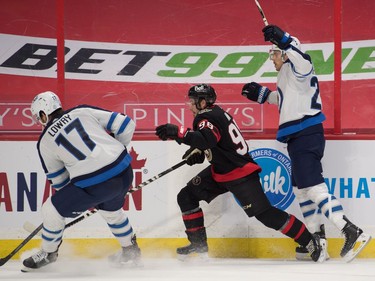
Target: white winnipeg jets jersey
(298,96)
(78,148)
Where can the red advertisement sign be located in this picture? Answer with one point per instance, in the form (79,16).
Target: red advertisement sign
(16,118)
(249,116)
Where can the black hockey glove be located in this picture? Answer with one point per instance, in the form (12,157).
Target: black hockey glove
(171,131)
(193,156)
(167,131)
(255,92)
(277,36)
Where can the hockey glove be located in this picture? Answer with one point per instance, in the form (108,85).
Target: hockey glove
(170,131)
(277,36)
(193,156)
(255,92)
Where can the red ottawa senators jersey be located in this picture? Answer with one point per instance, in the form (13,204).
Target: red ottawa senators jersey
(216,133)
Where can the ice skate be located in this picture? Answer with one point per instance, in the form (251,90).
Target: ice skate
(302,254)
(317,248)
(130,255)
(193,250)
(197,248)
(39,260)
(355,241)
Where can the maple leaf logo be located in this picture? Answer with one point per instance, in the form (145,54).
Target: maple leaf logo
(137,163)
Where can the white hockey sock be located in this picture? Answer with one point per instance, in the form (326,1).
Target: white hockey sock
(53,227)
(310,211)
(119,225)
(328,204)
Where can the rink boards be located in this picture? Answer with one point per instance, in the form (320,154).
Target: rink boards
(154,214)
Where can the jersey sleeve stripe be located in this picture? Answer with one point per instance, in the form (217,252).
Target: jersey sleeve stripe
(111,119)
(123,125)
(56,174)
(65,182)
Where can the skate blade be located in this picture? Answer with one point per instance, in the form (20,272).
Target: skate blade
(127,264)
(303,257)
(28,269)
(359,245)
(25,269)
(193,257)
(307,257)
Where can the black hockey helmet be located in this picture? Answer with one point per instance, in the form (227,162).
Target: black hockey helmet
(203,91)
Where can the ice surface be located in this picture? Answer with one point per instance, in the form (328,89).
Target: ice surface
(165,269)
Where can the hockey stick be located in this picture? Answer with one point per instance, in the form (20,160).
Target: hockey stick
(29,226)
(143,184)
(261,12)
(20,246)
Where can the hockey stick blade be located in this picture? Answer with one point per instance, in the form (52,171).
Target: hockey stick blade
(29,227)
(20,246)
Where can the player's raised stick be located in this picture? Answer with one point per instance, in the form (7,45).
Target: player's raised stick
(261,13)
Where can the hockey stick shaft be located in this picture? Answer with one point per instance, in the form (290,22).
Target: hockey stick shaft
(143,184)
(261,13)
(29,226)
(20,246)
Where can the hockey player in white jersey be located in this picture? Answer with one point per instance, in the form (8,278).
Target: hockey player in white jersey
(89,168)
(300,126)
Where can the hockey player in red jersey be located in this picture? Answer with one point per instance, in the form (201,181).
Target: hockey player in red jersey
(300,126)
(216,136)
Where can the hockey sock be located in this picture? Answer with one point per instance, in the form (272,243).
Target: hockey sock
(296,230)
(287,224)
(328,203)
(119,225)
(53,227)
(193,219)
(310,211)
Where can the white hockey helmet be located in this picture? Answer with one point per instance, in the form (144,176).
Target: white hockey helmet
(274,49)
(295,42)
(46,102)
